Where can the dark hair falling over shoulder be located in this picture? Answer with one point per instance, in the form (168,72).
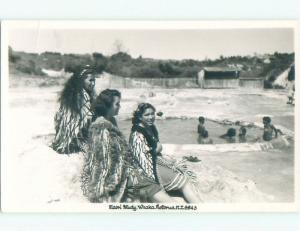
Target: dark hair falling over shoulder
(72,92)
(151,133)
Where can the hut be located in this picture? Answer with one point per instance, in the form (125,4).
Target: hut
(251,82)
(218,77)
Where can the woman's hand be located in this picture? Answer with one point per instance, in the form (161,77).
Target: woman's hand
(158,148)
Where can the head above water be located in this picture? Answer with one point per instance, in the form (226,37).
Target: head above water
(201,119)
(107,103)
(266,120)
(145,114)
(231,132)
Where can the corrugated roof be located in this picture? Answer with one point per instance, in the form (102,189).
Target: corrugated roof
(249,77)
(219,69)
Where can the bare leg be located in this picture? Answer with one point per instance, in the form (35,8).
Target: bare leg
(189,194)
(162,197)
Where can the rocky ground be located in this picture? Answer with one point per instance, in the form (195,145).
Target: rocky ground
(36,177)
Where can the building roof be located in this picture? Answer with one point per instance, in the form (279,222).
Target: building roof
(251,78)
(219,69)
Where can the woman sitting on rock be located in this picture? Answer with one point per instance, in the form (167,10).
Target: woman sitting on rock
(111,174)
(74,115)
(146,148)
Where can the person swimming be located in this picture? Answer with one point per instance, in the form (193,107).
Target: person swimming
(201,127)
(270,132)
(242,134)
(230,135)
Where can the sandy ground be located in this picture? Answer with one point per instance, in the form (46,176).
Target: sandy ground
(36,176)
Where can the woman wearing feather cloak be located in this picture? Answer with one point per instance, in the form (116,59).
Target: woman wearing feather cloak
(74,115)
(111,174)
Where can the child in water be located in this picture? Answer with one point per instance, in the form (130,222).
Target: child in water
(242,134)
(229,135)
(202,132)
(201,127)
(270,131)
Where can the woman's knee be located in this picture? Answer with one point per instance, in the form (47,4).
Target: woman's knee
(162,197)
(186,187)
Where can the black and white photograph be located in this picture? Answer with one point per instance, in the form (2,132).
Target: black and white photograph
(149,116)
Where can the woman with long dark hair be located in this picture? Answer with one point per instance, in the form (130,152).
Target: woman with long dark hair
(146,148)
(74,115)
(110,173)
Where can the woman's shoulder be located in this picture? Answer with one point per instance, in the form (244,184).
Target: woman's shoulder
(136,135)
(100,124)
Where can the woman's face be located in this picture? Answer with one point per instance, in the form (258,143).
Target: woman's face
(148,117)
(114,110)
(89,82)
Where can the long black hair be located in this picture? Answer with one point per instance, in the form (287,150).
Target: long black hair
(151,134)
(72,92)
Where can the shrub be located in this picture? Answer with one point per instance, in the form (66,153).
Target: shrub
(149,72)
(268,84)
(291,76)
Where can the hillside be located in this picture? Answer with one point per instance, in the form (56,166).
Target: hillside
(267,66)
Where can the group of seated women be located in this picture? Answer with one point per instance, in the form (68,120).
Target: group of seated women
(120,169)
(116,170)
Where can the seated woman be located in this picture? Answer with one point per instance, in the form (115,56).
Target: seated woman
(110,173)
(74,115)
(229,136)
(146,148)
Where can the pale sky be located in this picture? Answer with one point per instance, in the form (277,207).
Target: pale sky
(160,44)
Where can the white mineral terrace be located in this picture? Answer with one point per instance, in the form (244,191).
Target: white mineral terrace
(248,172)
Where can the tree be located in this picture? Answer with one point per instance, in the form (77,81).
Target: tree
(11,56)
(291,75)
(118,46)
(168,69)
(121,57)
(100,62)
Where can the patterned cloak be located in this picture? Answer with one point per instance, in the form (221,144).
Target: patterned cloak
(71,128)
(108,163)
(143,145)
